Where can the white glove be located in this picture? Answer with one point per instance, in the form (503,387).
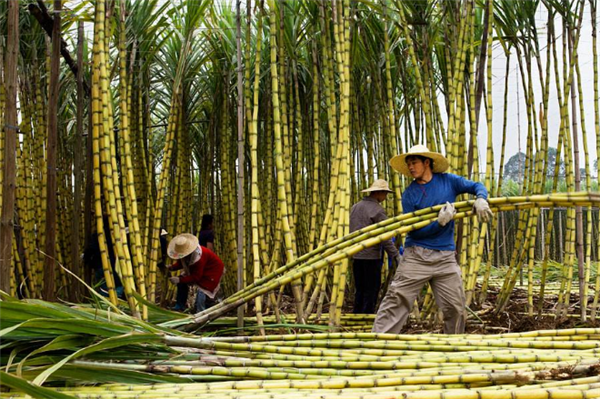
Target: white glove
(174,280)
(482,209)
(446,214)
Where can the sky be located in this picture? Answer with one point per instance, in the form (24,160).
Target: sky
(516,138)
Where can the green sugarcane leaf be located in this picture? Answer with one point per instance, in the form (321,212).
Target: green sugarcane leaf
(58,327)
(78,373)
(43,361)
(30,309)
(139,325)
(169,315)
(10,329)
(94,293)
(29,388)
(73,311)
(65,342)
(17,348)
(6,297)
(109,343)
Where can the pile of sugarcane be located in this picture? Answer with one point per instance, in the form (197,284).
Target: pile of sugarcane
(327,92)
(315,263)
(54,351)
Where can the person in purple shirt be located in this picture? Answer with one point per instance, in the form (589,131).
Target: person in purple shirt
(429,252)
(366,264)
(206,236)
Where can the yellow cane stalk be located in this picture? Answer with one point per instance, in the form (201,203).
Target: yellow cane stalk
(128,179)
(98,131)
(253,135)
(278,154)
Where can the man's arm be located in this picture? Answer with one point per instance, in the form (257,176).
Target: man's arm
(195,274)
(175,266)
(462,186)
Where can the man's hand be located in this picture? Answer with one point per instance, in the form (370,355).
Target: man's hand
(174,280)
(446,214)
(482,209)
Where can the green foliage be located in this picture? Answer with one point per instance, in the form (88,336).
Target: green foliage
(36,332)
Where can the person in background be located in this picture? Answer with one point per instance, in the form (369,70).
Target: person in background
(92,258)
(200,266)
(163,248)
(429,252)
(206,237)
(367,263)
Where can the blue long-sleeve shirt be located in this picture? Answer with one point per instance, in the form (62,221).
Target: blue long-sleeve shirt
(442,188)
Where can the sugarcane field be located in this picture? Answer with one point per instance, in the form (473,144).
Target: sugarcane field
(299,199)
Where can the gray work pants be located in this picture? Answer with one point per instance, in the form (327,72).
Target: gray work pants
(418,266)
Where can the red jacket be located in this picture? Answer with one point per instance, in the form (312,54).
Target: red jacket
(206,272)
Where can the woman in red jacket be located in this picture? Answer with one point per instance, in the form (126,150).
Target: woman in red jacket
(200,265)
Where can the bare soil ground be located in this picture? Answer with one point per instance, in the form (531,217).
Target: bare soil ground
(482,317)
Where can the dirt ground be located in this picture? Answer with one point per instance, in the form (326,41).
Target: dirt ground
(514,318)
(482,319)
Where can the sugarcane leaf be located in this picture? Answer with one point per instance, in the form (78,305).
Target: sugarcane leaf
(94,293)
(169,315)
(105,375)
(29,388)
(25,310)
(109,343)
(56,327)
(12,356)
(6,297)
(10,329)
(136,323)
(68,342)
(73,311)
(17,348)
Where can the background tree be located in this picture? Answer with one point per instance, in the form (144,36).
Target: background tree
(515,167)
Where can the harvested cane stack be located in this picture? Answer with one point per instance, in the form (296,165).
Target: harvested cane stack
(346,246)
(73,348)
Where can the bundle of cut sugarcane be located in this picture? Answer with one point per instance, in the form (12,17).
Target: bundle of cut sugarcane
(345,247)
(133,359)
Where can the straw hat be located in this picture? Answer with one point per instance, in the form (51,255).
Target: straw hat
(182,245)
(440,163)
(378,185)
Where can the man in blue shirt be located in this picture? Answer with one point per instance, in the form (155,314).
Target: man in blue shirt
(429,253)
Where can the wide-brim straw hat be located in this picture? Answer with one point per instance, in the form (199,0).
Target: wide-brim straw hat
(440,163)
(182,245)
(378,185)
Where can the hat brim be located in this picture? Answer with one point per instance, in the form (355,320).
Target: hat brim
(440,163)
(371,189)
(191,245)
